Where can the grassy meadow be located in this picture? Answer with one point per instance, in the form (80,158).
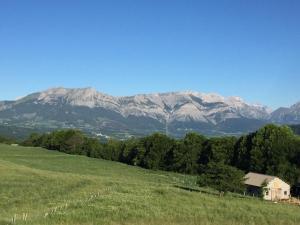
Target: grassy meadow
(40,187)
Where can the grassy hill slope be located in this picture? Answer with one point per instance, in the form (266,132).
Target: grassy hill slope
(49,187)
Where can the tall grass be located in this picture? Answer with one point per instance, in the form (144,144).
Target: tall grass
(53,188)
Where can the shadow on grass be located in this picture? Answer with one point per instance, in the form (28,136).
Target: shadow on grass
(212,192)
(190,189)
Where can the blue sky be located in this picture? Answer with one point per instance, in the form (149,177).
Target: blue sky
(231,47)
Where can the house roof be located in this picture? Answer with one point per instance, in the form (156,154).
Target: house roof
(256,179)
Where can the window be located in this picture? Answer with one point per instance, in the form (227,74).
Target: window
(267,193)
(285,193)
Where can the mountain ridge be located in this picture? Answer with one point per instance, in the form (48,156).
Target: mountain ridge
(172,112)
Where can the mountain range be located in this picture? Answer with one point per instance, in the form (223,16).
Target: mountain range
(174,113)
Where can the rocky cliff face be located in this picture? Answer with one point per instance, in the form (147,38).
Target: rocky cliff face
(287,115)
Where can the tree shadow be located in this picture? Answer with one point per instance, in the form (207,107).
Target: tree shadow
(211,192)
(190,189)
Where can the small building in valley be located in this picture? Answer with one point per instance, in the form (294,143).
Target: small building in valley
(270,187)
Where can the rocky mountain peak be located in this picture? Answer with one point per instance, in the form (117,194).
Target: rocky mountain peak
(182,111)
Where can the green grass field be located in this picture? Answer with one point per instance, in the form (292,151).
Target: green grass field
(48,187)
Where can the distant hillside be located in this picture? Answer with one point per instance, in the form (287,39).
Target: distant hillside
(19,133)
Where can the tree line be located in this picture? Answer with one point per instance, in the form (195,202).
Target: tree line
(5,140)
(220,162)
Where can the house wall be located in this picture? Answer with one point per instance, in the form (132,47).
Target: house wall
(277,190)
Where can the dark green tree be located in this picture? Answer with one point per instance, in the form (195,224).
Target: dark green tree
(33,140)
(133,152)
(222,178)
(271,144)
(219,150)
(92,147)
(241,155)
(187,152)
(157,147)
(112,150)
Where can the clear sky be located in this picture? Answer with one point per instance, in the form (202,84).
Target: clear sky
(242,48)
